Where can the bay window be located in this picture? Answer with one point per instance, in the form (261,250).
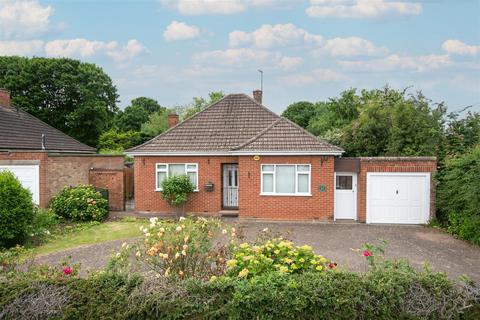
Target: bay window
(285,179)
(165,170)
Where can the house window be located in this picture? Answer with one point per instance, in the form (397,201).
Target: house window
(344,183)
(165,170)
(285,179)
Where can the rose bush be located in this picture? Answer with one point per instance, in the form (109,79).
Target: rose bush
(82,203)
(276,255)
(185,248)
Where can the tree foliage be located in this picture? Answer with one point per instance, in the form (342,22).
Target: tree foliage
(75,97)
(115,140)
(156,124)
(300,112)
(198,104)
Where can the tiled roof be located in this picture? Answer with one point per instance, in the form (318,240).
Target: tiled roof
(235,124)
(22,131)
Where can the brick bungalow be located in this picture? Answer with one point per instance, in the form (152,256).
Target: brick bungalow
(246,160)
(45,159)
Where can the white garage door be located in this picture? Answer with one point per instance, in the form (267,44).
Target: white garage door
(398,198)
(28,176)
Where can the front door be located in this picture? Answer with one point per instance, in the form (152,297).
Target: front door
(345,195)
(230,186)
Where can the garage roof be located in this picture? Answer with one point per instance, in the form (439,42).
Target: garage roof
(22,131)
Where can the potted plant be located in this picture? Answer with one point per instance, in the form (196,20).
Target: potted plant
(175,190)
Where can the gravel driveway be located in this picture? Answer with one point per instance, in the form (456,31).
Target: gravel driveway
(334,240)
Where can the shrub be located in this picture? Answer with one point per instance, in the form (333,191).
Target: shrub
(16,210)
(183,249)
(82,203)
(42,225)
(275,255)
(458,199)
(176,188)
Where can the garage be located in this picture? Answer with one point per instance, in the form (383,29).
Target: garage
(398,198)
(28,176)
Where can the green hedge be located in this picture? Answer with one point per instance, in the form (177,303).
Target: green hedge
(390,293)
(458,195)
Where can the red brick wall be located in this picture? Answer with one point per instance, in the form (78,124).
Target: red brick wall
(113,181)
(317,206)
(251,204)
(379,165)
(58,171)
(209,169)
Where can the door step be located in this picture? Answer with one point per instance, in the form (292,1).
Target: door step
(228,213)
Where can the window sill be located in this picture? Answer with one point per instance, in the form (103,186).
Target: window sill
(160,190)
(287,194)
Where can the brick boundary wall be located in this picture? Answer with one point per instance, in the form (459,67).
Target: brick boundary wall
(393,164)
(113,181)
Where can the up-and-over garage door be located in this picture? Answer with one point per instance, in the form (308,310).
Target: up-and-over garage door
(28,176)
(398,197)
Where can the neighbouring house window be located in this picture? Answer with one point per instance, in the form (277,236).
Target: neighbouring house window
(165,170)
(285,179)
(344,183)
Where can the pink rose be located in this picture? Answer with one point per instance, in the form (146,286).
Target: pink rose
(367,253)
(67,271)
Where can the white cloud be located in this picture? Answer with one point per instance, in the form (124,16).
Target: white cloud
(279,35)
(316,75)
(460,48)
(352,46)
(180,31)
(205,7)
(241,57)
(87,48)
(396,62)
(132,49)
(361,8)
(223,7)
(20,19)
(20,48)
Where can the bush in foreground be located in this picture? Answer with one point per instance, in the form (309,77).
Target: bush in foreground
(82,203)
(16,210)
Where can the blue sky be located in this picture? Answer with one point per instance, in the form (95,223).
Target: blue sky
(309,50)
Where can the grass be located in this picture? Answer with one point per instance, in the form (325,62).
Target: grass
(108,231)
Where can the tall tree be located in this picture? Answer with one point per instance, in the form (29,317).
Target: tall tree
(198,104)
(300,112)
(136,114)
(75,97)
(156,124)
(150,105)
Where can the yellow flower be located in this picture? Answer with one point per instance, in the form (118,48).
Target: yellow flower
(224,231)
(287,260)
(322,259)
(301,260)
(283,269)
(178,229)
(313,261)
(319,268)
(294,266)
(276,251)
(177,255)
(184,253)
(185,247)
(138,254)
(243,273)
(244,245)
(213,278)
(246,258)
(306,247)
(162,229)
(231,263)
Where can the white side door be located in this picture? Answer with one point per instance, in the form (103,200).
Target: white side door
(345,195)
(29,178)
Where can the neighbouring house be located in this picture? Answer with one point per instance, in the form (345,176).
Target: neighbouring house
(45,160)
(246,160)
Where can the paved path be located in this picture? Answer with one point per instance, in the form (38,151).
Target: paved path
(417,244)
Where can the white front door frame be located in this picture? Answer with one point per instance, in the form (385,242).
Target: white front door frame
(354,215)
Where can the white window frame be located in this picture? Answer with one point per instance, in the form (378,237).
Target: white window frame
(167,166)
(274,172)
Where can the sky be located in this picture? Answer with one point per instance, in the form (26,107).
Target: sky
(309,50)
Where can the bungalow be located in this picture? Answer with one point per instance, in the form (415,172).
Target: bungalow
(246,160)
(45,159)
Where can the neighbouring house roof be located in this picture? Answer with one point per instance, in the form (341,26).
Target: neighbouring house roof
(236,124)
(22,131)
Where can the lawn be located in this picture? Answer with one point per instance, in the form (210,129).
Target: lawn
(112,230)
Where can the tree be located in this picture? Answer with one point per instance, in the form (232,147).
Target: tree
(176,189)
(131,118)
(198,104)
(461,134)
(300,112)
(75,97)
(150,105)
(112,140)
(156,124)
